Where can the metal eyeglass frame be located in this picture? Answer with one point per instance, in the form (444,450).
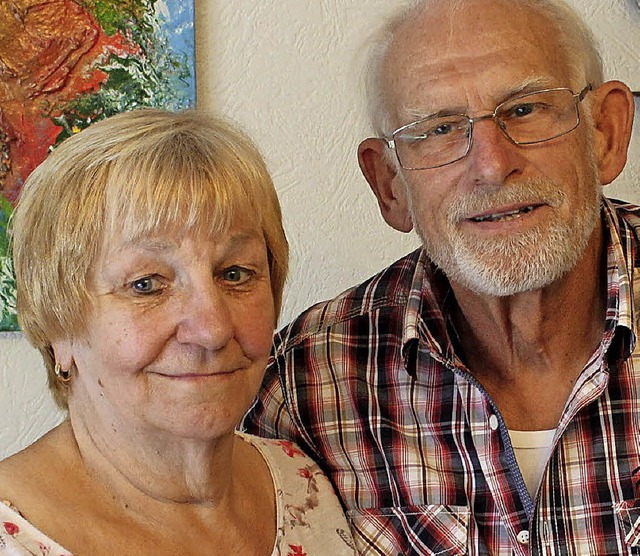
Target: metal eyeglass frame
(577,98)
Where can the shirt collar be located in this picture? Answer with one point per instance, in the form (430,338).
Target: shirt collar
(426,313)
(622,267)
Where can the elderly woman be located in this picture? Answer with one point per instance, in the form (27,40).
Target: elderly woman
(150,261)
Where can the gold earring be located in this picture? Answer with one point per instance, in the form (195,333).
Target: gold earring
(62,374)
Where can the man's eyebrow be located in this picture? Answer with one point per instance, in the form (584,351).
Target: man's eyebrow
(529,85)
(414,115)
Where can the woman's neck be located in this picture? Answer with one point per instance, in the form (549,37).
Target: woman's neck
(143,464)
(134,505)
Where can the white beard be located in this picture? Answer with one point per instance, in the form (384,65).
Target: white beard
(511,264)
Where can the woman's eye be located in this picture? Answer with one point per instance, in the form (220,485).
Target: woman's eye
(146,285)
(237,274)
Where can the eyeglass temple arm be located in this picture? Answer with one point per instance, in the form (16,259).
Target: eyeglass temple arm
(584,92)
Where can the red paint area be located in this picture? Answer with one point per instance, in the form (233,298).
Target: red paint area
(50,51)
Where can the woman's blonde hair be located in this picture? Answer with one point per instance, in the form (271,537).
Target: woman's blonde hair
(133,173)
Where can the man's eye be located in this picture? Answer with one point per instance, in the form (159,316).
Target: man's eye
(146,285)
(442,129)
(439,130)
(522,110)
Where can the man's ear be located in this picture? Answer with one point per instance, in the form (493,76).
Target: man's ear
(385,183)
(613,111)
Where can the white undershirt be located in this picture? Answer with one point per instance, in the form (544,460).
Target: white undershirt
(532,449)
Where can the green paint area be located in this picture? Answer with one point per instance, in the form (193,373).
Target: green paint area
(8,313)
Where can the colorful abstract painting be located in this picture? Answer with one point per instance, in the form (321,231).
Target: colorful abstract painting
(67,63)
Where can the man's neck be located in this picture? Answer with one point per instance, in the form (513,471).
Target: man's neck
(528,349)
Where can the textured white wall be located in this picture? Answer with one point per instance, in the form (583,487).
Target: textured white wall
(289,72)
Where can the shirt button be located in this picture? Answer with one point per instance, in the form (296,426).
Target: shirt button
(493,422)
(523,537)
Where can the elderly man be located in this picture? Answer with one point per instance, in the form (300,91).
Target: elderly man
(481,395)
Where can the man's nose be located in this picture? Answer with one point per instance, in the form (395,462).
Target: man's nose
(206,318)
(493,156)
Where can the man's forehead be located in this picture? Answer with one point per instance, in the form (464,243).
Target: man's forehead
(431,57)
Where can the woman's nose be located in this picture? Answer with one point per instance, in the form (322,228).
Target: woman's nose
(206,318)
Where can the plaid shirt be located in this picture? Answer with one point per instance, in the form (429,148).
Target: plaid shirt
(370,385)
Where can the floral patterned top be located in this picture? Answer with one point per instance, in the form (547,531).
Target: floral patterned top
(309,517)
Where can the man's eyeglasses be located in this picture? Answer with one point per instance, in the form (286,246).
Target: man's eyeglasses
(526,119)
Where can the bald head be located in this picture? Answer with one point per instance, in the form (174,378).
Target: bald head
(418,33)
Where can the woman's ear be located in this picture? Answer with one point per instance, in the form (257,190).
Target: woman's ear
(385,183)
(63,353)
(612,112)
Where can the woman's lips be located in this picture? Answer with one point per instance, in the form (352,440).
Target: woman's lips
(197,376)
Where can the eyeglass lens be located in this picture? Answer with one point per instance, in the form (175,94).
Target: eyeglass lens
(528,119)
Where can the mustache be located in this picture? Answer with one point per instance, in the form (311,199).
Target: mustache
(533,191)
